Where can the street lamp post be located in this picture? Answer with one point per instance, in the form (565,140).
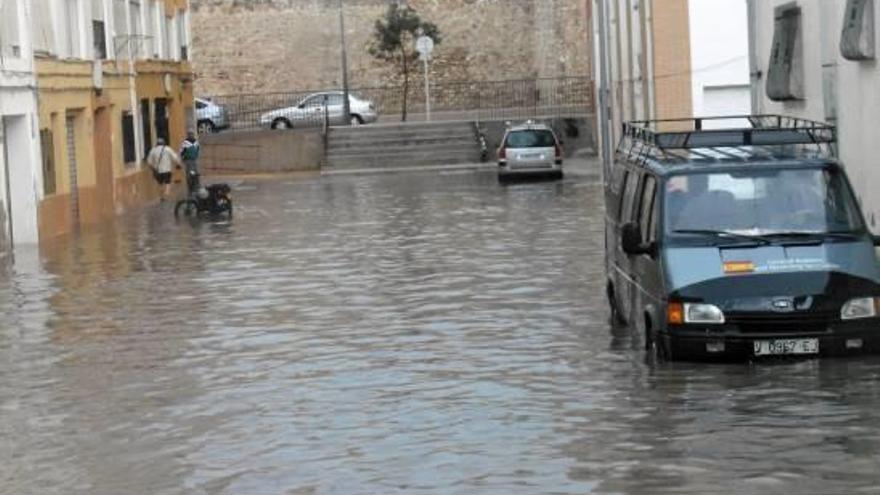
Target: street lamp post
(346,103)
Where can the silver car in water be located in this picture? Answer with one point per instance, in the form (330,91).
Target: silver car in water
(529,149)
(310,112)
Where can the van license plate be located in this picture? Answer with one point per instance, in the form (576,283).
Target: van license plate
(786,347)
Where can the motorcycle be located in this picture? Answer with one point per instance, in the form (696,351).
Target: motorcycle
(214,200)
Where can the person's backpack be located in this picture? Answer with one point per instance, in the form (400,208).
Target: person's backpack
(191,152)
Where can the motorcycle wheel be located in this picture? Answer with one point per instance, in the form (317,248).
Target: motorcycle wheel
(186,208)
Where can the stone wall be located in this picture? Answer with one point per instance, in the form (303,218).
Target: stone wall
(255,46)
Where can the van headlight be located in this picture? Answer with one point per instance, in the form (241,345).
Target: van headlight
(703,313)
(855,309)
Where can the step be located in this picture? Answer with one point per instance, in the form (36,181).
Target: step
(409,133)
(403,160)
(403,126)
(345,146)
(402,146)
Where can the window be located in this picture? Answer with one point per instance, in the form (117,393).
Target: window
(100,40)
(762,202)
(10,44)
(629,197)
(134,41)
(531,139)
(99,32)
(167,38)
(146,124)
(41,23)
(785,74)
(181,35)
(857,39)
(128,149)
(120,29)
(646,214)
(47,144)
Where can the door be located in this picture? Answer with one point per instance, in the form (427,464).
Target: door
(311,112)
(646,267)
(623,280)
(72,170)
(104,162)
(18,200)
(335,109)
(161,115)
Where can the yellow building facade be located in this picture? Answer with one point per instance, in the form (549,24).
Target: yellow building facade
(104,97)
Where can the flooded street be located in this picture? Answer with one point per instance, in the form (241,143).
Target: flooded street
(410,333)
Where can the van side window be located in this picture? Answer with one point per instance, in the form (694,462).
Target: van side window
(646,213)
(629,197)
(620,194)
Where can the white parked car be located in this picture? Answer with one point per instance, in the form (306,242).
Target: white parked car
(530,149)
(310,112)
(211,117)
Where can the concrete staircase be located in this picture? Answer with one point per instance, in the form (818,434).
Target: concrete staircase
(399,145)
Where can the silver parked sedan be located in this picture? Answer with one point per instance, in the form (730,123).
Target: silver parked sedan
(529,149)
(310,112)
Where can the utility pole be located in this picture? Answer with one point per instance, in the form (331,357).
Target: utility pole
(604,92)
(346,103)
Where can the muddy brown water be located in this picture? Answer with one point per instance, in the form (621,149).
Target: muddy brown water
(412,333)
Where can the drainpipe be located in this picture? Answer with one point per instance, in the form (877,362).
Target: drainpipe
(755,74)
(604,91)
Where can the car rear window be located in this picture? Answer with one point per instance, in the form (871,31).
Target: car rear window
(531,139)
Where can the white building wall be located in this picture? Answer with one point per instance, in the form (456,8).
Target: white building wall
(720,57)
(20,164)
(857,95)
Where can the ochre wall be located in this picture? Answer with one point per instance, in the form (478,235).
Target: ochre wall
(672,60)
(67,87)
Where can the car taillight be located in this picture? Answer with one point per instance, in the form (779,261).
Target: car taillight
(502,154)
(558,151)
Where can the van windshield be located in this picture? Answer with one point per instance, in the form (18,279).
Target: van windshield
(761,202)
(531,139)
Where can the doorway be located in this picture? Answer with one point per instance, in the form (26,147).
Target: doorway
(18,220)
(104,161)
(161,105)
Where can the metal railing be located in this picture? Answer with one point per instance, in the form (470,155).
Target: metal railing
(472,101)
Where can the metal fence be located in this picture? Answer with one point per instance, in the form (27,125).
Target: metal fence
(474,101)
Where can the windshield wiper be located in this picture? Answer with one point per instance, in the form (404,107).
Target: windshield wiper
(763,241)
(840,234)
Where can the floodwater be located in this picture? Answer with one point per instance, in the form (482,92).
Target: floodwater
(411,333)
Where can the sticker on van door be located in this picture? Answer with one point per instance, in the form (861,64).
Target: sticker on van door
(738,267)
(797,265)
(776,266)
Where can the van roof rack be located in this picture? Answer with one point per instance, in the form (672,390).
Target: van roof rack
(729,138)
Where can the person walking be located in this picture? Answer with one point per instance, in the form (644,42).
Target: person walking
(189,152)
(162,158)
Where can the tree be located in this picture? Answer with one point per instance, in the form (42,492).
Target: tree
(394,41)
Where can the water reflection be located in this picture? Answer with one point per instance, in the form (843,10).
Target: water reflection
(392,334)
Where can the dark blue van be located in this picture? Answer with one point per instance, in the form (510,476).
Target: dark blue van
(739,242)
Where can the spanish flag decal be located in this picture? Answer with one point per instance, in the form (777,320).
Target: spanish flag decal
(738,267)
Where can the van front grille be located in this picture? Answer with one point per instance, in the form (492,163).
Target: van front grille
(782,323)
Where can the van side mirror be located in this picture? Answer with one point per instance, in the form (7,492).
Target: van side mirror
(631,240)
